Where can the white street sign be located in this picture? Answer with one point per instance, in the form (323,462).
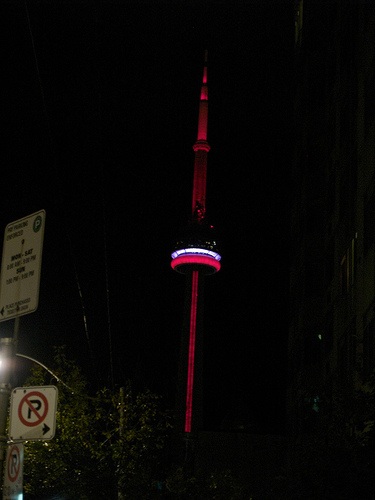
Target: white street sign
(21,265)
(33,413)
(13,473)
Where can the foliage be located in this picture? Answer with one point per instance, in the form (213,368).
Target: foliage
(69,464)
(139,449)
(112,444)
(102,443)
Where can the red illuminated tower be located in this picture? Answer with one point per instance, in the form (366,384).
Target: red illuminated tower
(195,255)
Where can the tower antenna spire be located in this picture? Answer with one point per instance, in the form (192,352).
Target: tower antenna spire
(201,148)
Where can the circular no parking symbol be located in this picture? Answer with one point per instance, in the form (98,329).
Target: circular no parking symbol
(14,463)
(33,408)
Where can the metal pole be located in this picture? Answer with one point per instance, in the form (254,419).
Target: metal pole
(121,432)
(15,333)
(8,346)
(6,372)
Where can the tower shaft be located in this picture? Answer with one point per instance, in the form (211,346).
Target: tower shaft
(190,373)
(192,336)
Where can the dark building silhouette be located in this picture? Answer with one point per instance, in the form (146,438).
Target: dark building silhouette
(332,262)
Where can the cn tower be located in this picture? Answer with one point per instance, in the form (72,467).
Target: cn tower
(195,255)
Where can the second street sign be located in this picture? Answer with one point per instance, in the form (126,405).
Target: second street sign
(21,265)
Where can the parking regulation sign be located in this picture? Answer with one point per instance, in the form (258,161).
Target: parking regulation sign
(21,265)
(13,473)
(33,413)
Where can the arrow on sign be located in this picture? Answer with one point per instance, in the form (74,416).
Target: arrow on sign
(45,429)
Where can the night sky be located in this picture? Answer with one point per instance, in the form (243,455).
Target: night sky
(100,110)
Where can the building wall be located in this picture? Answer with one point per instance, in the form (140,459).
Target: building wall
(332,294)
(255,460)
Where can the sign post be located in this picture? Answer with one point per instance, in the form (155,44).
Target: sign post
(13,473)
(19,295)
(33,413)
(21,265)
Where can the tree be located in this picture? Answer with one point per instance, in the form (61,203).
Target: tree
(140,449)
(113,442)
(104,443)
(69,464)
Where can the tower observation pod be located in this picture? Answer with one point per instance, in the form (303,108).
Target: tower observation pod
(196,255)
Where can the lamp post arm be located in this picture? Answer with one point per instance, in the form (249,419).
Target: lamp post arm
(47,369)
(56,377)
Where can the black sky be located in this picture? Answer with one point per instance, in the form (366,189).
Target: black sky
(100,110)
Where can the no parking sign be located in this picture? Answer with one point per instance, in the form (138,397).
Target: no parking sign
(13,474)
(33,413)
